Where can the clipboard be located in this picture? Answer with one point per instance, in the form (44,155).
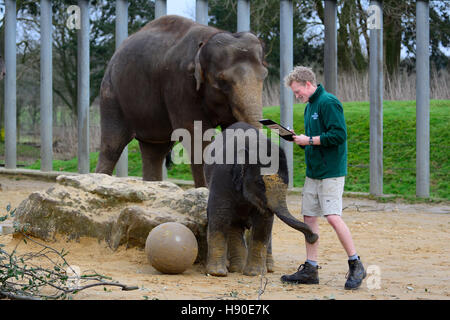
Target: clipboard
(284,133)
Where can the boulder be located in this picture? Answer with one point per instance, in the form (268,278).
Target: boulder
(121,211)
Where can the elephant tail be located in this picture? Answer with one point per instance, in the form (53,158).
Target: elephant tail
(169,162)
(291,221)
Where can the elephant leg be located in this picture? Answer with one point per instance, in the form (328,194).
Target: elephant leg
(198,175)
(257,251)
(115,135)
(197,162)
(217,252)
(237,249)
(270,264)
(153,155)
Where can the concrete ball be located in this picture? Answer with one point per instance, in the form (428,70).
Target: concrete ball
(171,248)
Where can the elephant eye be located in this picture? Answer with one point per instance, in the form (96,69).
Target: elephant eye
(263,73)
(224,85)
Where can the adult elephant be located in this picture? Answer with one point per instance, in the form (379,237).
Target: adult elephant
(241,196)
(169,74)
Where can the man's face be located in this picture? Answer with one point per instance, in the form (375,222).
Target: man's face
(302,92)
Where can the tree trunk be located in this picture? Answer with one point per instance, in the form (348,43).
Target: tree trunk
(344,51)
(393,13)
(392,43)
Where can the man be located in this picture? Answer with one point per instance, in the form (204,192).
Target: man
(325,144)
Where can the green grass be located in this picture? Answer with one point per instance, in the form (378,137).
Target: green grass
(399,149)
(26,151)
(181,171)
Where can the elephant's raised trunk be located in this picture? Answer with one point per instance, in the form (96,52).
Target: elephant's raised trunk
(291,221)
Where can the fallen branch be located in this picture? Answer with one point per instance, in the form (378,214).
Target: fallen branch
(22,279)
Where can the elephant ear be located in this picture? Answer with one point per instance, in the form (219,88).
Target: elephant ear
(239,168)
(198,73)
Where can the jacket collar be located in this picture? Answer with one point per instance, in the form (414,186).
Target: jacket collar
(316,93)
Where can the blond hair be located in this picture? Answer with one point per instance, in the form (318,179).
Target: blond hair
(300,74)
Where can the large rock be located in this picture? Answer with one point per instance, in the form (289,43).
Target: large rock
(117,210)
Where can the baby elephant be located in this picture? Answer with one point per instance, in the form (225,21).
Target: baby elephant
(245,190)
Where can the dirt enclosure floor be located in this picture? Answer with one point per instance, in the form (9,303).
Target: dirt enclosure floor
(404,246)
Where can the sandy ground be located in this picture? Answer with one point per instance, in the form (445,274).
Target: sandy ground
(405,247)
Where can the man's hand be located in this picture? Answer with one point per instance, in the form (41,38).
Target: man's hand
(301,140)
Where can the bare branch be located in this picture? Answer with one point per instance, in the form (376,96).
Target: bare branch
(20,279)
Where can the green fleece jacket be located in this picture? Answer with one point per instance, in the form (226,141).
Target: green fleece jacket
(324,117)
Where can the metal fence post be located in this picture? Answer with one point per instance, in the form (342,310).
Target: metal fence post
(376,97)
(286,66)
(243,15)
(330,50)
(201,11)
(83,88)
(160,8)
(422,99)
(10,86)
(46,87)
(121,35)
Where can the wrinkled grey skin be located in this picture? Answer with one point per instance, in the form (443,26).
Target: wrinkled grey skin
(241,197)
(166,76)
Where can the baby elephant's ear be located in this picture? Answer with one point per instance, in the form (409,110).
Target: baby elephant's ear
(240,167)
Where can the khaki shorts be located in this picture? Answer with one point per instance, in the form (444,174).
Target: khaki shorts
(322,197)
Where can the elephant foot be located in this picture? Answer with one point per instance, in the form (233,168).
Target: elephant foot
(270,263)
(256,259)
(255,269)
(216,269)
(236,266)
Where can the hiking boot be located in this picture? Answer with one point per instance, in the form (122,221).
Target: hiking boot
(306,274)
(355,275)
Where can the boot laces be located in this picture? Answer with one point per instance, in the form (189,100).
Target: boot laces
(349,272)
(303,266)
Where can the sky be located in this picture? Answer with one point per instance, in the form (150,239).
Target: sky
(185,8)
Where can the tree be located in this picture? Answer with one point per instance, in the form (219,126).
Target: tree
(352,22)
(102,42)
(102,39)
(439,35)
(265,23)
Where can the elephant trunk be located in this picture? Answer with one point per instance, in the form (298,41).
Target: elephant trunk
(276,202)
(286,217)
(247,102)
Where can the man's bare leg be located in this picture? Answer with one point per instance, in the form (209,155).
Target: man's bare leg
(343,233)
